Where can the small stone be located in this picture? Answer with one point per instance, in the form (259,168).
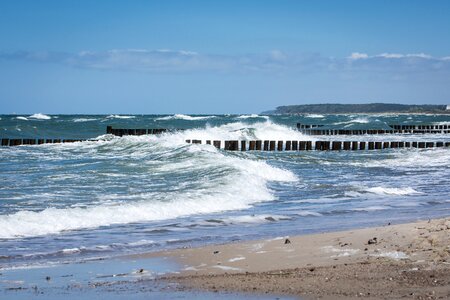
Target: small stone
(287,241)
(216,252)
(47,278)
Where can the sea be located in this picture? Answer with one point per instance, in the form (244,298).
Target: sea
(113,196)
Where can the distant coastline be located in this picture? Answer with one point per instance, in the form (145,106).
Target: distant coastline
(370,108)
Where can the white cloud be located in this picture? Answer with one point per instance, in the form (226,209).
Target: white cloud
(357,55)
(166,60)
(390,55)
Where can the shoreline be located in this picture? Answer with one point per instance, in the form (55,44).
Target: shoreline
(409,260)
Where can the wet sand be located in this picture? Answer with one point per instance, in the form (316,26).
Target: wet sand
(408,261)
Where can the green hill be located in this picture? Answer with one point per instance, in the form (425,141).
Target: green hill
(358,108)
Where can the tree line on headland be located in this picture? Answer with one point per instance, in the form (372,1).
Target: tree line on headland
(334,108)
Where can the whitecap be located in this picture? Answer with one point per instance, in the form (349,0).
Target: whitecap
(379,190)
(84,120)
(22,118)
(40,116)
(251,116)
(184,117)
(315,116)
(120,117)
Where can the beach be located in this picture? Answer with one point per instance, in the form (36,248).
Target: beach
(409,261)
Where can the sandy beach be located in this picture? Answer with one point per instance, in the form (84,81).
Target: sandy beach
(410,261)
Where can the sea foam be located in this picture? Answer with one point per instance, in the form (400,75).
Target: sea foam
(185,117)
(243,183)
(40,116)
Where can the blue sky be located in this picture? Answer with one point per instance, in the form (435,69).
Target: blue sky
(220,56)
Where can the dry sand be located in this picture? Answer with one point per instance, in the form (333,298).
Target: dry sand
(409,261)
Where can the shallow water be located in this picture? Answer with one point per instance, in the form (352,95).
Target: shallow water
(65,203)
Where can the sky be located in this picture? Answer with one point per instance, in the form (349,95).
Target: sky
(214,57)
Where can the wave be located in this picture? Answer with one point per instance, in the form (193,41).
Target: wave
(353,121)
(185,117)
(22,118)
(40,116)
(314,116)
(252,116)
(232,183)
(78,120)
(119,117)
(241,131)
(392,191)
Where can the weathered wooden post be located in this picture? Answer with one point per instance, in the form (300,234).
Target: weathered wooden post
(309,145)
(401,144)
(430,144)
(439,144)
(252,145)
(288,145)
(302,145)
(280,146)
(318,145)
(294,145)
(266,145)
(347,145)
(272,146)
(415,145)
(41,141)
(234,145)
(394,144)
(216,144)
(378,145)
(208,142)
(337,145)
(188,141)
(385,145)
(354,145)
(227,145)
(371,145)
(258,145)
(196,141)
(243,145)
(421,144)
(5,142)
(108,129)
(362,145)
(407,144)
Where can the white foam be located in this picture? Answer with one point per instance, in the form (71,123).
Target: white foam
(392,191)
(252,116)
(227,268)
(245,183)
(396,255)
(340,252)
(315,116)
(185,117)
(71,250)
(372,208)
(236,259)
(119,117)
(78,120)
(253,219)
(40,116)
(22,118)
(241,131)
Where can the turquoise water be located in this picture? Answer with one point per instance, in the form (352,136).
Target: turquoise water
(66,203)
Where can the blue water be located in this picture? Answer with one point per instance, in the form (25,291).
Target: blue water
(73,202)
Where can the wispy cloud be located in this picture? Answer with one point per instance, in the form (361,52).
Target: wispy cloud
(164,60)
